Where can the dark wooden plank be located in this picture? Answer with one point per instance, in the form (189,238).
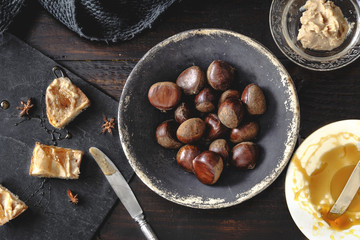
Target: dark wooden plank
(109,76)
(324,97)
(263,217)
(56,41)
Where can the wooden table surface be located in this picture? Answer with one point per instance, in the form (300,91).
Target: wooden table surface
(324,97)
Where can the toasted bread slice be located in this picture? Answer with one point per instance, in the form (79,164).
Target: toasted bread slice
(10,205)
(55,162)
(64,101)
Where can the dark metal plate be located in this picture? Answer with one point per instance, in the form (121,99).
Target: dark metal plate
(157,166)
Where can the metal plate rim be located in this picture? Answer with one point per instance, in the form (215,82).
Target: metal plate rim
(292,134)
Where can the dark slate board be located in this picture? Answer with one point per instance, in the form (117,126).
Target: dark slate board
(26,73)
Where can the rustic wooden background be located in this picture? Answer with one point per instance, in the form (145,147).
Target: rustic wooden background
(324,97)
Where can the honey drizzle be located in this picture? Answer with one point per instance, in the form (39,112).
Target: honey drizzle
(349,218)
(4,104)
(55,134)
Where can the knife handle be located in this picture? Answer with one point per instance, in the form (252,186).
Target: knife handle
(145,228)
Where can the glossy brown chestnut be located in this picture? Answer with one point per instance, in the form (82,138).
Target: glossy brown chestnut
(182,113)
(244,132)
(231,112)
(191,130)
(244,155)
(165,135)
(220,75)
(254,99)
(214,127)
(164,95)
(208,167)
(220,147)
(205,101)
(228,94)
(191,80)
(186,155)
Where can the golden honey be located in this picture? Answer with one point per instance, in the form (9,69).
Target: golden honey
(327,182)
(2,212)
(51,161)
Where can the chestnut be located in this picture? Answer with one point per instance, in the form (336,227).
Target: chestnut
(231,112)
(164,95)
(228,94)
(165,135)
(182,113)
(220,147)
(244,132)
(254,99)
(214,127)
(191,130)
(191,80)
(186,155)
(205,101)
(244,155)
(208,167)
(220,75)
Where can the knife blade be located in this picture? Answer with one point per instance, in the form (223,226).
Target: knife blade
(348,193)
(122,190)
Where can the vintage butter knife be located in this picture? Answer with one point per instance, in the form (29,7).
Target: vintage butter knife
(348,193)
(122,190)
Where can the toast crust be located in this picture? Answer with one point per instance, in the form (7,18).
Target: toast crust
(10,205)
(55,162)
(64,101)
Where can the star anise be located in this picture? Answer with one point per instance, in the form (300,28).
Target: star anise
(25,108)
(73,198)
(108,125)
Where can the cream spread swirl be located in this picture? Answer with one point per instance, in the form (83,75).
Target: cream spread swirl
(323,26)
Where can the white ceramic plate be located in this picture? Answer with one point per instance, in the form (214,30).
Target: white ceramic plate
(307,156)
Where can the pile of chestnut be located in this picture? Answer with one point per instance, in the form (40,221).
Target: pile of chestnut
(210,119)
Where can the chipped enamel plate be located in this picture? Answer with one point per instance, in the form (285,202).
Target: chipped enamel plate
(157,167)
(306,160)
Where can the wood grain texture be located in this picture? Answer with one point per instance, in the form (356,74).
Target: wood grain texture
(324,97)
(109,76)
(247,17)
(259,218)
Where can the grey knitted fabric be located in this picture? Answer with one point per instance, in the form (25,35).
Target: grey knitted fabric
(8,10)
(105,20)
